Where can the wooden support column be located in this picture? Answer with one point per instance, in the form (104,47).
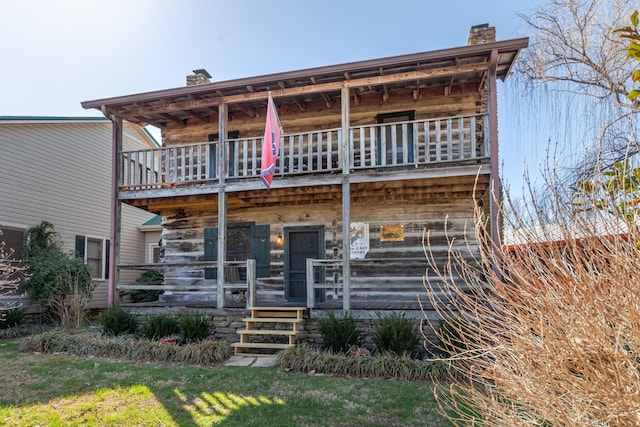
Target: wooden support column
(495,186)
(116,208)
(222,201)
(346,201)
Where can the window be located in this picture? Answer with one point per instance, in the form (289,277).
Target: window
(155,252)
(95,253)
(13,239)
(244,241)
(213,155)
(395,133)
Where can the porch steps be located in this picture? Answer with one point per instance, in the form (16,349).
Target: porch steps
(289,317)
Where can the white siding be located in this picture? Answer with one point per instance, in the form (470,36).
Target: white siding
(60,171)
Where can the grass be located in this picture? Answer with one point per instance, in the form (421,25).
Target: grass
(64,390)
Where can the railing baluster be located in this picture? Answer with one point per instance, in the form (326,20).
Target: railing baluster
(461,136)
(472,135)
(372,146)
(329,150)
(427,148)
(245,156)
(351,153)
(362,155)
(310,150)
(254,157)
(449,140)
(438,141)
(319,151)
(405,143)
(485,132)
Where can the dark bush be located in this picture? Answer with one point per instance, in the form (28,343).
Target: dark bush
(116,321)
(147,295)
(160,326)
(11,318)
(194,327)
(396,334)
(339,334)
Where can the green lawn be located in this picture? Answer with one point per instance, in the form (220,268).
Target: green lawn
(63,390)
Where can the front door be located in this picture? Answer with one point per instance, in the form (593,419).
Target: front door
(301,243)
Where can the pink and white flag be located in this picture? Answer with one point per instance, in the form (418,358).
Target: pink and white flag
(270,144)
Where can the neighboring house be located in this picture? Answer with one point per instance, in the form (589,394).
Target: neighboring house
(373,154)
(58,169)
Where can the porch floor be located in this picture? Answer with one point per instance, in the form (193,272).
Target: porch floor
(328,305)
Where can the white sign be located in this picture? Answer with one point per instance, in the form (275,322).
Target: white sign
(359,239)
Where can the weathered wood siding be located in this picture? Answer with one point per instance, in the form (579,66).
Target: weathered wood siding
(183,238)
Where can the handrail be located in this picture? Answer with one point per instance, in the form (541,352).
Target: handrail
(394,145)
(249,285)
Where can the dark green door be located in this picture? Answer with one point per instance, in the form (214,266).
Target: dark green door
(301,243)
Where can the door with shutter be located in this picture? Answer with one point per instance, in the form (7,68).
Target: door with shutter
(301,243)
(244,241)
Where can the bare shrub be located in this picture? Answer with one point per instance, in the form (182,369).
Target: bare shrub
(11,273)
(551,326)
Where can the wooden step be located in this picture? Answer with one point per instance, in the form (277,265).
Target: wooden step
(265,332)
(272,319)
(281,312)
(239,347)
(261,345)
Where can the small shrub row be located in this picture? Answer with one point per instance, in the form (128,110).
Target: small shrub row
(11,318)
(190,328)
(302,358)
(22,330)
(396,334)
(205,352)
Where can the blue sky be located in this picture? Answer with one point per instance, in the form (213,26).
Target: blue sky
(57,53)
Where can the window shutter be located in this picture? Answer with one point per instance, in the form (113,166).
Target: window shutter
(107,253)
(260,249)
(211,251)
(80,242)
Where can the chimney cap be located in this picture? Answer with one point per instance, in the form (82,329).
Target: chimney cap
(479,26)
(203,72)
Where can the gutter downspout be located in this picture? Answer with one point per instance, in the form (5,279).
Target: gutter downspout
(495,187)
(114,234)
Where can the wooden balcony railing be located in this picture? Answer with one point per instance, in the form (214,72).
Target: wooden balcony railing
(382,146)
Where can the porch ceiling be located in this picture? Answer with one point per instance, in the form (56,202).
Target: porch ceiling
(434,70)
(425,189)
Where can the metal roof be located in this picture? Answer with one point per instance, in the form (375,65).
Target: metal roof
(412,71)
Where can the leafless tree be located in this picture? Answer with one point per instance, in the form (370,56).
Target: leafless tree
(10,275)
(580,65)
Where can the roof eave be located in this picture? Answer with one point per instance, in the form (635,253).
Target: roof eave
(436,55)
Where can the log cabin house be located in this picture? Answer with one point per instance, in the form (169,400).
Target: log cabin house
(372,154)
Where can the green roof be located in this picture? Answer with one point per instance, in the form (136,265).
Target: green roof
(156,220)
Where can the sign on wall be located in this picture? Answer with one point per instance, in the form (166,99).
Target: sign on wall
(392,233)
(359,239)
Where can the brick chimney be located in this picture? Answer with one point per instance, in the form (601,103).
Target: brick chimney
(198,77)
(480,34)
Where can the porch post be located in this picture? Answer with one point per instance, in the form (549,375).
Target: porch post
(222,201)
(116,208)
(346,201)
(495,185)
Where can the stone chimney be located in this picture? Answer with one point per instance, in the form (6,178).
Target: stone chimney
(480,34)
(198,77)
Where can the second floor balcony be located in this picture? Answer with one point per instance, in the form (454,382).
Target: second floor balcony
(399,146)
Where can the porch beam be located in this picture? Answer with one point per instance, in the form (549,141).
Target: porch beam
(495,188)
(346,200)
(303,90)
(116,209)
(222,203)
